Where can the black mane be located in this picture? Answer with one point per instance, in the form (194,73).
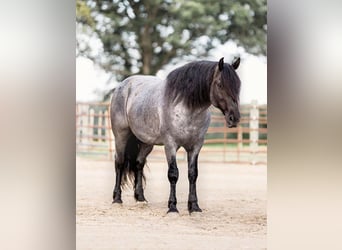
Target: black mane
(191,83)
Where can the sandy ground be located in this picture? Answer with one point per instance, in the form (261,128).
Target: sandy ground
(232,197)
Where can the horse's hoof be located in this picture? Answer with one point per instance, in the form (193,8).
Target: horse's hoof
(193,207)
(117,201)
(195,210)
(172,210)
(139,197)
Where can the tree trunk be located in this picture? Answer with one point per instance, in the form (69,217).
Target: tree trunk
(147,63)
(146,47)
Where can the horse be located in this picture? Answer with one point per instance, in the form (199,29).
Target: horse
(148,111)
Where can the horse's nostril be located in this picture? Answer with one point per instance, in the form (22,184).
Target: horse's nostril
(231,118)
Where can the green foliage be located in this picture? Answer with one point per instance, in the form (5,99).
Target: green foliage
(142,36)
(83,14)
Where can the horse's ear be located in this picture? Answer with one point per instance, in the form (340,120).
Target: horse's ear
(220,64)
(236,63)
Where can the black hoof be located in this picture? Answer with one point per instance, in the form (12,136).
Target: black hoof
(195,210)
(139,197)
(117,200)
(117,197)
(193,207)
(172,210)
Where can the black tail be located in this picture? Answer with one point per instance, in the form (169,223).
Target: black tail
(130,165)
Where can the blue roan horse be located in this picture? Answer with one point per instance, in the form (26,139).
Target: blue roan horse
(147,111)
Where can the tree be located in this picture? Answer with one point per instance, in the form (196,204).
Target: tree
(85,24)
(142,36)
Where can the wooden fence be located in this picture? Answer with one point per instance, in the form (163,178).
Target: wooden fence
(246,143)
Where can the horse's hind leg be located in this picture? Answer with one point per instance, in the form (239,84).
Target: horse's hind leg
(141,160)
(117,189)
(120,145)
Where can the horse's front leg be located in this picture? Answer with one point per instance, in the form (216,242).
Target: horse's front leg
(172,175)
(192,176)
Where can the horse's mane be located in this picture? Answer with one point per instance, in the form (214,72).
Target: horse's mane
(191,83)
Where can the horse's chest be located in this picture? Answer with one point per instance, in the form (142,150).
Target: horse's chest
(187,127)
(189,133)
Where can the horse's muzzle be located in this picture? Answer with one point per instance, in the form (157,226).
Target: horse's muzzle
(232,125)
(232,121)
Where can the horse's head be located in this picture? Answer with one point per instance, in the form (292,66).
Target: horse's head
(225,91)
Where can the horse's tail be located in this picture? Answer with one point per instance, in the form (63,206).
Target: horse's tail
(131,165)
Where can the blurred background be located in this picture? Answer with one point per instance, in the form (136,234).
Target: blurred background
(116,39)
(304,57)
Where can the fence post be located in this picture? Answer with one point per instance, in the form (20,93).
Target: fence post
(84,123)
(91,127)
(99,126)
(239,144)
(224,142)
(254,130)
(79,124)
(108,133)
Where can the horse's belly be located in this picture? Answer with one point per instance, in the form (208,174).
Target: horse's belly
(147,131)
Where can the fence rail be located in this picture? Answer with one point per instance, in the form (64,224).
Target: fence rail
(246,143)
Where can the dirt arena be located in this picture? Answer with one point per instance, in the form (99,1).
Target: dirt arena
(232,197)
